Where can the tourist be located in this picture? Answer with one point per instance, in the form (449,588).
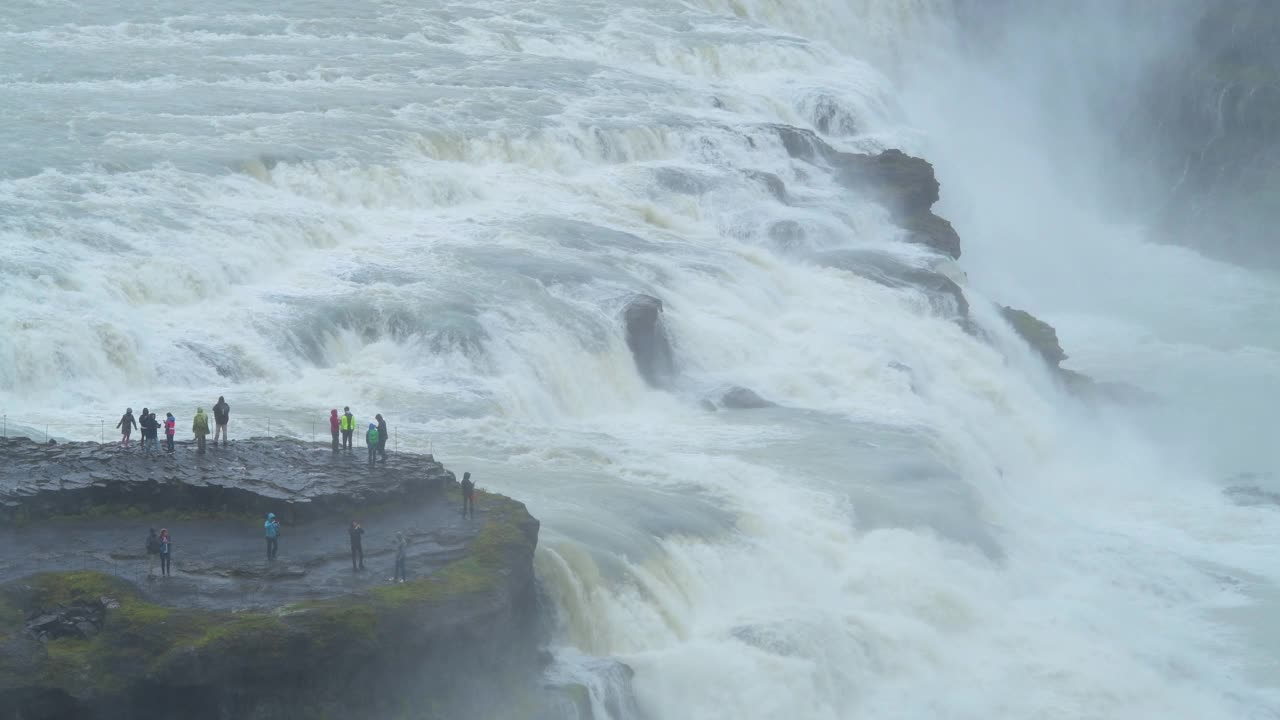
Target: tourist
(148,425)
(221,415)
(357,545)
(153,552)
(200,426)
(272,528)
(170,429)
(348,428)
(335,424)
(126,425)
(166,545)
(468,495)
(382,437)
(371,441)
(402,550)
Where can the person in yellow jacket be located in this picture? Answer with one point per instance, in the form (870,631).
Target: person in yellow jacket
(348,426)
(200,426)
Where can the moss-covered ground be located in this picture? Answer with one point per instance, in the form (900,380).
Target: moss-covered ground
(141,641)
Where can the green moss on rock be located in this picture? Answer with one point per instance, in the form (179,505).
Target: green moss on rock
(142,644)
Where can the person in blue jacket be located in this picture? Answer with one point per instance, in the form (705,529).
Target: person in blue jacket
(272,528)
(371,440)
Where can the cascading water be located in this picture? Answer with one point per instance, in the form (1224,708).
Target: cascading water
(439,213)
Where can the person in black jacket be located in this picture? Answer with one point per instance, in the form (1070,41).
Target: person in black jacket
(468,496)
(382,437)
(149,426)
(357,546)
(221,416)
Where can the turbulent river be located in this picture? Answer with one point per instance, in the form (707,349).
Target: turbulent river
(437,210)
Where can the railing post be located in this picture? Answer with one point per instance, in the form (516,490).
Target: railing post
(46,434)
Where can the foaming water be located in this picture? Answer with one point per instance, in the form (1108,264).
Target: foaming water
(440,213)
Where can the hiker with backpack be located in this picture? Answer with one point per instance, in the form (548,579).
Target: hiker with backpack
(200,428)
(371,441)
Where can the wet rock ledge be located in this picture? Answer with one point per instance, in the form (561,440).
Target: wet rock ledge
(87,632)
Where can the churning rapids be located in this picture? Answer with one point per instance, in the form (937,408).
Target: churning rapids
(437,211)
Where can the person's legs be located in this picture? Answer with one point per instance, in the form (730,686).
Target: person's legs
(382,448)
(200,443)
(164,565)
(360,549)
(335,441)
(354,550)
(151,564)
(373,449)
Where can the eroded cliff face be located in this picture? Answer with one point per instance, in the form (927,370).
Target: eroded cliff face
(304,637)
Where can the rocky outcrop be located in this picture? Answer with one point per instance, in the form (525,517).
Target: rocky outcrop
(1040,335)
(303,637)
(906,185)
(298,480)
(892,271)
(740,398)
(648,340)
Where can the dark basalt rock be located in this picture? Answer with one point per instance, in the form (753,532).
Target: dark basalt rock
(304,480)
(740,398)
(1040,335)
(233,636)
(647,337)
(906,185)
(81,620)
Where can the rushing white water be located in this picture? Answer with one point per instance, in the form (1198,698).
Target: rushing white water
(437,213)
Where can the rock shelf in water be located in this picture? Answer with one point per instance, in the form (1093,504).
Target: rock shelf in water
(86,632)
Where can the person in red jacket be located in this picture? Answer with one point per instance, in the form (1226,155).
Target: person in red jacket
(335,424)
(170,429)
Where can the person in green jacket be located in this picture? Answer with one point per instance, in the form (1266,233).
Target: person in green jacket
(201,429)
(371,439)
(348,427)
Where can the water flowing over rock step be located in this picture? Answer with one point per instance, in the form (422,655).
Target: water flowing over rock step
(87,632)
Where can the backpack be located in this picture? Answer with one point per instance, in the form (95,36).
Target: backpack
(153,545)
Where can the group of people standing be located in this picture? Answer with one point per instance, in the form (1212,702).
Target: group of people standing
(356,532)
(375,438)
(150,427)
(160,546)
